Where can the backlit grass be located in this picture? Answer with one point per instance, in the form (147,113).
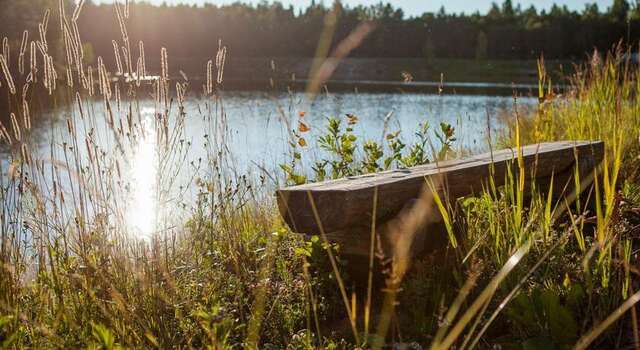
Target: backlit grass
(520,270)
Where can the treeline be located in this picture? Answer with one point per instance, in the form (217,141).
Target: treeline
(507,31)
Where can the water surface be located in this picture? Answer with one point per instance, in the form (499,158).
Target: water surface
(151,164)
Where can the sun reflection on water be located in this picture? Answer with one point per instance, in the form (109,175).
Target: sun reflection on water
(143,163)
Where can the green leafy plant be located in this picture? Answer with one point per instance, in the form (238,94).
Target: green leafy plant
(446,136)
(544,314)
(396,146)
(418,154)
(342,149)
(341,146)
(217,327)
(373,152)
(292,177)
(103,337)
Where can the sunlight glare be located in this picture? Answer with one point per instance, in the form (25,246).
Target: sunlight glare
(142,217)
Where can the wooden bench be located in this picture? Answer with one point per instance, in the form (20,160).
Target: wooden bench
(344,206)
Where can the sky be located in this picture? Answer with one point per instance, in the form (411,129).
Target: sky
(417,7)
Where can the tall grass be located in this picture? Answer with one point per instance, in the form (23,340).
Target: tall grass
(74,271)
(580,250)
(230,273)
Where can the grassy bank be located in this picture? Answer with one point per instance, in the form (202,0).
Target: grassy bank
(525,272)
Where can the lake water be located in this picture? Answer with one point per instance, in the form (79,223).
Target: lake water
(243,132)
(257,124)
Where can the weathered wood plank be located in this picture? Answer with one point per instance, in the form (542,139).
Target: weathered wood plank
(347,203)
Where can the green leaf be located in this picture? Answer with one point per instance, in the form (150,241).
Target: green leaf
(103,336)
(522,311)
(562,325)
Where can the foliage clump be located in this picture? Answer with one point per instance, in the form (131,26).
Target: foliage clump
(345,155)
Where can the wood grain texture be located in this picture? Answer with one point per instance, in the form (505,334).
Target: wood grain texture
(347,203)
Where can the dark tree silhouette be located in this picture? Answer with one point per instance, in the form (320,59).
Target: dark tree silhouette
(273,30)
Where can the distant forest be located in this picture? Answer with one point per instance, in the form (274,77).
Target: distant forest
(269,29)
